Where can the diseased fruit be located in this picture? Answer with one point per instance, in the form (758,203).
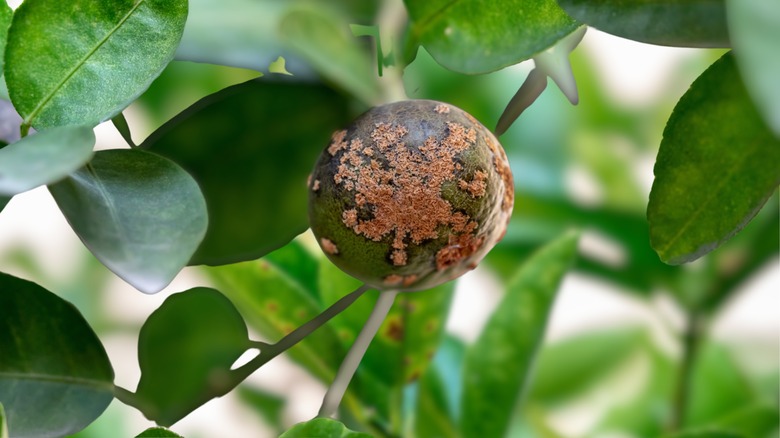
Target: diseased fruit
(410,195)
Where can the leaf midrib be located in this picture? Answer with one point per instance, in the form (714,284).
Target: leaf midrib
(428,21)
(71,380)
(112,209)
(701,208)
(37,110)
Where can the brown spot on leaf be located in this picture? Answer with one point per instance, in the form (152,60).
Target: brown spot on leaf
(328,246)
(272,306)
(394,330)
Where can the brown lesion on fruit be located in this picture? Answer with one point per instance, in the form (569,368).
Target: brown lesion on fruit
(337,142)
(402,186)
(501,164)
(442,109)
(315,185)
(399,280)
(328,246)
(458,248)
(398,257)
(477,186)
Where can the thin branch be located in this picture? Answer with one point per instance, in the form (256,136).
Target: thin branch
(355,354)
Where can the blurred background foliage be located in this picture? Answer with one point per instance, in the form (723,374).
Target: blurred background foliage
(586,167)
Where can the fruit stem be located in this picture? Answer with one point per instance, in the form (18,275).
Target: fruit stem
(355,354)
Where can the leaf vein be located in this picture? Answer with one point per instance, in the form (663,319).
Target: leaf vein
(46,99)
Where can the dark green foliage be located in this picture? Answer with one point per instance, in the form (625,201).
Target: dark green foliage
(322,428)
(716,168)
(186,349)
(669,22)
(140,214)
(251,148)
(55,376)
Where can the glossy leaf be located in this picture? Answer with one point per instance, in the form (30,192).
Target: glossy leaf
(158,432)
(667,22)
(140,214)
(251,147)
(44,158)
(755,30)
(186,349)
(716,167)
(55,376)
(320,37)
(322,428)
(275,302)
(480,36)
(100,56)
(6,15)
(216,34)
(498,365)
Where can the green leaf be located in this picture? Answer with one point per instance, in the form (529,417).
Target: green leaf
(158,432)
(215,33)
(55,376)
(44,158)
(269,406)
(251,147)
(322,428)
(186,349)
(716,167)
(407,339)
(81,62)
(140,214)
(718,387)
(326,42)
(680,23)
(480,36)
(755,30)
(6,15)
(432,417)
(759,421)
(596,354)
(275,301)
(3,424)
(498,365)
(704,434)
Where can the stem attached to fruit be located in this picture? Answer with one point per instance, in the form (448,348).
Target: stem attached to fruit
(350,363)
